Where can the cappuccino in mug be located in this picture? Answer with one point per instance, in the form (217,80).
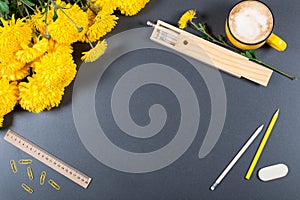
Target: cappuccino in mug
(250,24)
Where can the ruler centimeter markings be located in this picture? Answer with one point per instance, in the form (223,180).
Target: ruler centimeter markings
(47,158)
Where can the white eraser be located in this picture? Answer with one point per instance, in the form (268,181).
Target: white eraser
(273,172)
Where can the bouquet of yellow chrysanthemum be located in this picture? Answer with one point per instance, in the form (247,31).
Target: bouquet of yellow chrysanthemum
(36,62)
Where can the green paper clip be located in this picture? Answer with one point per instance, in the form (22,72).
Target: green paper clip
(29,173)
(42,178)
(25,161)
(54,184)
(27,188)
(13,166)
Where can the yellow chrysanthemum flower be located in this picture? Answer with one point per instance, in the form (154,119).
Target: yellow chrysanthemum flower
(131,7)
(94,53)
(185,18)
(39,18)
(34,71)
(103,23)
(6,58)
(28,54)
(53,47)
(70,25)
(108,5)
(55,69)
(8,70)
(19,74)
(35,96)
(1,120)
(9,95)
(52,44)
(64,49)
(91,16)
(12,34)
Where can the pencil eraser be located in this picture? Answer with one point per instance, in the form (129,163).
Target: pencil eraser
(273,172)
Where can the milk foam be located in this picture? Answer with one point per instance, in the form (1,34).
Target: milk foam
(250,22)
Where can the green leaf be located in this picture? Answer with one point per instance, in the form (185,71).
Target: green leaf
(248,54)
(202,27)
(253,53)
(4,9)
(221,38)
(28,2)
(205,37)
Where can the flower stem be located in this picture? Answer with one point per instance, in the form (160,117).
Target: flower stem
(41,4)
(47,35)
(213,39)
(272,68)
(90,43)
(79,29)
(28,6)
(91,5)
(21,13)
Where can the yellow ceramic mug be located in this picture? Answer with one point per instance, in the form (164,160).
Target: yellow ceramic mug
(250,25)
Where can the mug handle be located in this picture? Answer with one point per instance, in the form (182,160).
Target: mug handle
(276,42)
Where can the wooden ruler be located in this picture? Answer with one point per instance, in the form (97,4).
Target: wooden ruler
(47,158)
(209,53)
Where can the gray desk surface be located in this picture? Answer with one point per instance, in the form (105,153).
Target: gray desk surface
(246,106)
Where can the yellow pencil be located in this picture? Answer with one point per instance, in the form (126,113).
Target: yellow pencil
(262,145)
